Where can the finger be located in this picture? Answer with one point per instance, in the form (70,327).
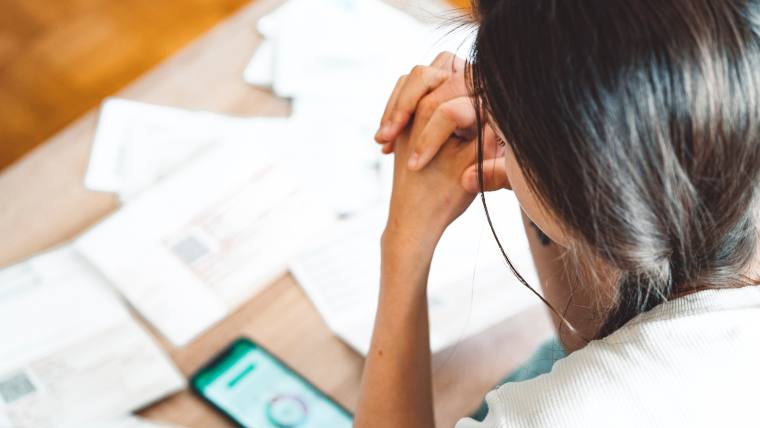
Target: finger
(494,176)
(387,148)
(493,147)
(379,136)
(448,61)
(450,116)
(455,65)
(445,61)
(421,81)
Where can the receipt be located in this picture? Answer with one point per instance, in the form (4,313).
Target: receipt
(71,351)
(189,250)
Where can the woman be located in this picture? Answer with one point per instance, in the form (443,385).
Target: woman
(630,133)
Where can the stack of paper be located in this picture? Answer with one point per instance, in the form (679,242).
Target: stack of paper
(200,243)
(470,287)
(218,206)
(71,353)
(138,144)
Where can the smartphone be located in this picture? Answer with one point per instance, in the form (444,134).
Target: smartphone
(255,389)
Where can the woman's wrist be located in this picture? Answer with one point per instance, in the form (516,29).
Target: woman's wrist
(406,257)
(408,243)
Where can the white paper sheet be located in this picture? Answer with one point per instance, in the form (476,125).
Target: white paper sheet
(208,238)
(136,144)
(470,286)
(348,50)
(336,155)
(71,353)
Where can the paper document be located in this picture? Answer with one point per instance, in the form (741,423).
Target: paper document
(470,286)
(71,353)
(136,144)
(205,240)
(343,50)
(335,156)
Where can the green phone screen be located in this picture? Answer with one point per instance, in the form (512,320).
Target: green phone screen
(258,391)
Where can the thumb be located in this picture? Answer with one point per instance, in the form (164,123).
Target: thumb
(494,176)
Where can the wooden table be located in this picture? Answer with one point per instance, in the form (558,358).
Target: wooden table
(43,203)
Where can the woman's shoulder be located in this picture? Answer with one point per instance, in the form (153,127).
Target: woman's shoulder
(688,362)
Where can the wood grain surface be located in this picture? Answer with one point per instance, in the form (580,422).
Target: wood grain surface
(59,58)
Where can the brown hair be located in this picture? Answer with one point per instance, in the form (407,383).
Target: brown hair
(636,123)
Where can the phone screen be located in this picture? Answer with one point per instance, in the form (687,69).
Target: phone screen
(257,390)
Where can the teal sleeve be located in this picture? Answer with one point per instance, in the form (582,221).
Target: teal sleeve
(539,363)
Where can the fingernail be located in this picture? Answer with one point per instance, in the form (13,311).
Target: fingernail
(413,160)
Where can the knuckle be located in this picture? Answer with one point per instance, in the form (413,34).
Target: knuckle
(443,57)
(436,75)
(401,80)
(399,116)
(417,71)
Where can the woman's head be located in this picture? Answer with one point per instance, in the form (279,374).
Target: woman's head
(636,126)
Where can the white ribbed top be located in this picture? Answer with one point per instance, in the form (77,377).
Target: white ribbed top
(690,362)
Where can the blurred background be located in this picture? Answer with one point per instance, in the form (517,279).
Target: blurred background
(60,58)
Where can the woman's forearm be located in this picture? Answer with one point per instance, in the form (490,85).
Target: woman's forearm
(396,386)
